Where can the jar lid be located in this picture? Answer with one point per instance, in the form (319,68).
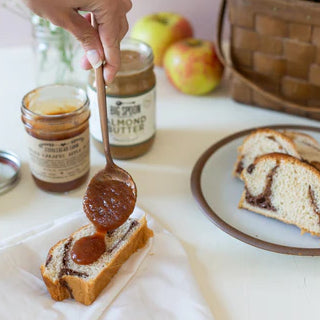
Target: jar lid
(9,170)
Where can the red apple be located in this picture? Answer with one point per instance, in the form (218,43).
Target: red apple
(193,66)
(160,30)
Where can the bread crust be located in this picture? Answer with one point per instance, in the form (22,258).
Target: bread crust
(311,141)
(288,158)
(293,134)
(86,291)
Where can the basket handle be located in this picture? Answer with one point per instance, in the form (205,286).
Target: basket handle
(244,79)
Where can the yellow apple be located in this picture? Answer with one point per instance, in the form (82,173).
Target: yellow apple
(192,66)
(160,30)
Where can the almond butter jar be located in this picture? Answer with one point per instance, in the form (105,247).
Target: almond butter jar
(130,103)
(56,118)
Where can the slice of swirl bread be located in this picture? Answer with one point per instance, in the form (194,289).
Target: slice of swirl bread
(285,188)
(66,279)
(264,141)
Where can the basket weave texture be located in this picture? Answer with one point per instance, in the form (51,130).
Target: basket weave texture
(276,44)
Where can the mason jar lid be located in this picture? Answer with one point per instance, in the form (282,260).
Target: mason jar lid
(9,170)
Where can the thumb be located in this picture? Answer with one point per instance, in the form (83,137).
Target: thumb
(81,28)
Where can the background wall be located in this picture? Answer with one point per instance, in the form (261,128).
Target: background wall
(202,14)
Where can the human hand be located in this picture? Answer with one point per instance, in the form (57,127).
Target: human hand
(99,45)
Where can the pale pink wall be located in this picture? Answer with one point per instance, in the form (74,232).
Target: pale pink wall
(201,13)
(14,30)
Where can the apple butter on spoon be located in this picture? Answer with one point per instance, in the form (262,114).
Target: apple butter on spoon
(111,194)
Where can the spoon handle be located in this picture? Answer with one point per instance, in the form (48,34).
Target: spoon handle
(102,103)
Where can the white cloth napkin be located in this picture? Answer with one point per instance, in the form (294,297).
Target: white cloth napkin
(155,283)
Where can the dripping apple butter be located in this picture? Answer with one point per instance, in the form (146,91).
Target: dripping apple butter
(88,249)
(130,103)
(56,120)
(107,204)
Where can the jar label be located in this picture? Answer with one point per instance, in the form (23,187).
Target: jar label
(131,120)
(59,161)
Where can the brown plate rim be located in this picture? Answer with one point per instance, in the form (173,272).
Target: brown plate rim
(217,220)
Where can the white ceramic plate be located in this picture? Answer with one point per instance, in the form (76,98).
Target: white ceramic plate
(218,194)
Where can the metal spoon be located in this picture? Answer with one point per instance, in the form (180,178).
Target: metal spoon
(111,194)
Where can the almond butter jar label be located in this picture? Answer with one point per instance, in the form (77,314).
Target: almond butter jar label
(59,161)
(131,120)
(131,103)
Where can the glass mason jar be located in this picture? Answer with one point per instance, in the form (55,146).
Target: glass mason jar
(57,55)
(56,118)
(130,103)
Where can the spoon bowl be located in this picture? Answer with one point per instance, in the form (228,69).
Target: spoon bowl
(110,198)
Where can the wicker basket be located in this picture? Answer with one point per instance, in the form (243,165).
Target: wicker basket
(275,54)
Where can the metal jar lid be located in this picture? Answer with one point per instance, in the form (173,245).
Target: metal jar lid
(9,170)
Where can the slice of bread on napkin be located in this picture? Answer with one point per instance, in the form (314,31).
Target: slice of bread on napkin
(265,141)
(66,279)
(285,188)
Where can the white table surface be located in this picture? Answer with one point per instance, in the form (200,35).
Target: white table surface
(237,280)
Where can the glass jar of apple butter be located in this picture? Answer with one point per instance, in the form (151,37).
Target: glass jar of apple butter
(56,118)
(130,103)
